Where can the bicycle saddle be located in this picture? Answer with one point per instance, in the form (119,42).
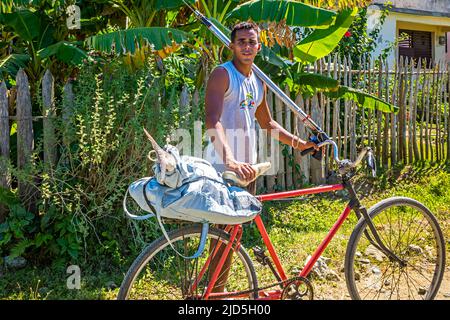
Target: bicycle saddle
(234,179)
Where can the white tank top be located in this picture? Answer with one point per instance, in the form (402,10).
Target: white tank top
(243,96)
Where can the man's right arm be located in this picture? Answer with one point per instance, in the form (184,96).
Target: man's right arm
(217,85)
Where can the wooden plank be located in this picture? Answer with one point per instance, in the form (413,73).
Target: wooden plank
(346,111)
(378,112)
(5,181)
(48,99)
(369,112)
(301,176)
(317,170)
(385,147)
(438,113)
(270,178)
(394,116)
(427,117)
(328,117)
(431,113)
(261,142)
(410,110)
(335,104)
(289,159)
(25,137)
(278,116)
(422,113)
(363,111)
(338,109)
(401,113)
(352,114)
(447,108)
(414,113)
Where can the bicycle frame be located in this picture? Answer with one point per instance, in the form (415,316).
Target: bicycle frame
(236,232)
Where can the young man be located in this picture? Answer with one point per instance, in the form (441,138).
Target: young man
(235,97)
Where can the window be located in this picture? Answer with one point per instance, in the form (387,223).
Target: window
(416,45)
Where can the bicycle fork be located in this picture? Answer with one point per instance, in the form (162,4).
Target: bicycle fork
(361,211)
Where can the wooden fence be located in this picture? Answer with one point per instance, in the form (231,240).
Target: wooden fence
(420,130)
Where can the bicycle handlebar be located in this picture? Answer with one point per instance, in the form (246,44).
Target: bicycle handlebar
(346,165)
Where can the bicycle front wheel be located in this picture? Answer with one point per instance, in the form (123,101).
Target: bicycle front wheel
(159,273)
(411,232)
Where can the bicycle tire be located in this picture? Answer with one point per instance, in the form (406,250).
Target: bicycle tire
(382,279)
(242,265)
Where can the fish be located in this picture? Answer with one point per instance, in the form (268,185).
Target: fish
(234,178)
(166,161)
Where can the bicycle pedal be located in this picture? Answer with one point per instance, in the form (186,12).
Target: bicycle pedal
(260,255)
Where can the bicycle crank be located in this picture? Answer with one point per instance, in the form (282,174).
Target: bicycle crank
(298,288)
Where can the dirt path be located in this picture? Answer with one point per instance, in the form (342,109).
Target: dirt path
(337,290)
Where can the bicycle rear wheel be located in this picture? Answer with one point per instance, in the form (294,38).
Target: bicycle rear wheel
(412,233)
(159,273)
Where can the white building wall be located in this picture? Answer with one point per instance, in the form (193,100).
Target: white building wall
(395,20)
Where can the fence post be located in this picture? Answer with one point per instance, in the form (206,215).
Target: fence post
(4,145)
(385,159)
(48,97)
(278,117)
(25,137)
(447,110)
(270,179)
(287,126)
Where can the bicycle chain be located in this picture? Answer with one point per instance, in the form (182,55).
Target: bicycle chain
(287,282)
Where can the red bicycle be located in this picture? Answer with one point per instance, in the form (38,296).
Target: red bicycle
(396,251)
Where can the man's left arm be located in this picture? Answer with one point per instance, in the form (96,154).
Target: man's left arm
(266,121)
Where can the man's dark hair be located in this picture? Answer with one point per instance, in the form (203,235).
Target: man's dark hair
(247,25)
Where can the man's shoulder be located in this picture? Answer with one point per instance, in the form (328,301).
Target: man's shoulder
(219,73)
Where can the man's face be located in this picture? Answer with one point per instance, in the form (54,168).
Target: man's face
(245,46)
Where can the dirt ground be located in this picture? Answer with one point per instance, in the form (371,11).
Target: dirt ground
(337,290)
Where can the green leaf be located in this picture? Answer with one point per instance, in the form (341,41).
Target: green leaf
(24,22)
(126,40)
(8,198)
(317,81)
(13,129)
(42,238)
(12,63)
(64,51)
(320,43)
(171,4)
(295,13)
(20,248)
(363,99)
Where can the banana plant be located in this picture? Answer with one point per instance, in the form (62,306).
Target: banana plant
(327,28)
(147,31)
(36,39)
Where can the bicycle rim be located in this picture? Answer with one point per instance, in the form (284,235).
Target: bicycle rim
(160,274)
(411,232)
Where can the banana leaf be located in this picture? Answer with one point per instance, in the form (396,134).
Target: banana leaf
(311,83)
(321,43)
(127,40)
(64,51)
(24,22)
(13,63)
(362,99)
(171,4)
(295,13)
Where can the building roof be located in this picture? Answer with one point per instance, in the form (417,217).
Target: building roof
(436,8)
